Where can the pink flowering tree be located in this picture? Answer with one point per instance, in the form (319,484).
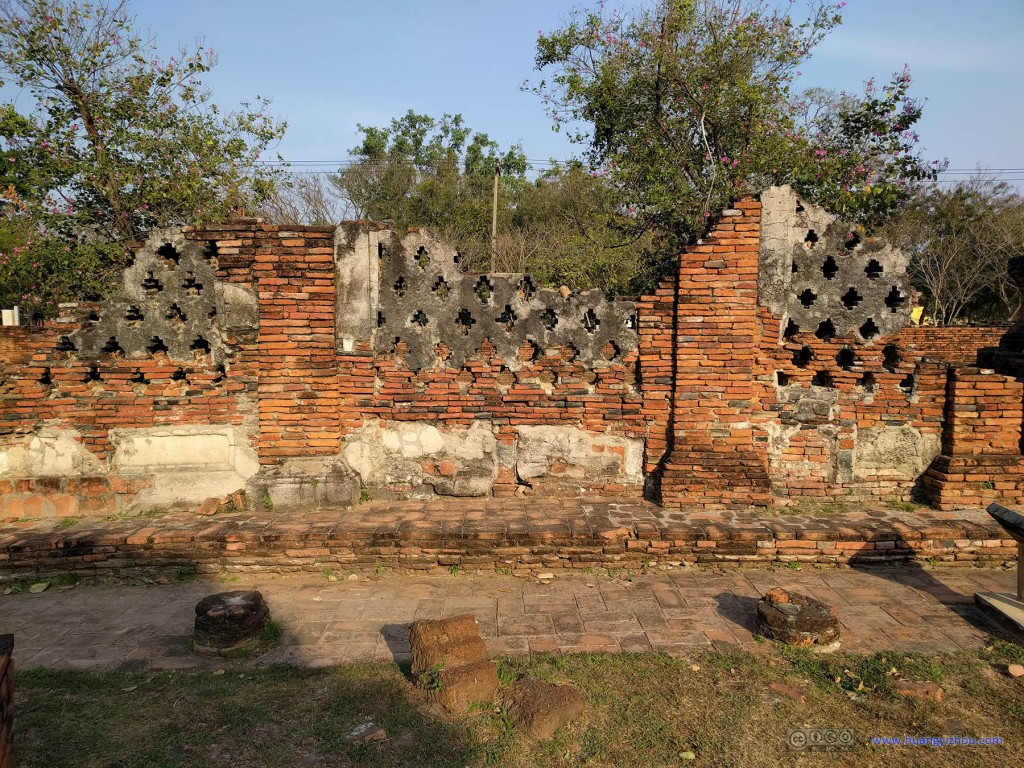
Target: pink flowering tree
(107,140)
(686,103)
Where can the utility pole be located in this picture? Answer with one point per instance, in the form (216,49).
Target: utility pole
(494,215)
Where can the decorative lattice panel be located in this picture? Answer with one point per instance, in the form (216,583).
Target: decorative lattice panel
(425,300)
(167,305)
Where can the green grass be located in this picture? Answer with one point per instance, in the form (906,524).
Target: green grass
(645,710)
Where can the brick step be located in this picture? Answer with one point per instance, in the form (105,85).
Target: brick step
(487,534)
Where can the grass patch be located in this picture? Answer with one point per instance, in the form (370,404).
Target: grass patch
(644,710)
(270,635)
(812,509)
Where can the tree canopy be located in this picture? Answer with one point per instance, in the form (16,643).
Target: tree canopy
(116,141)
(684,103)
(960,240)
(566,226)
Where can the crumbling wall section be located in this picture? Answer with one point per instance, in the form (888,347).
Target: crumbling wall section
(174,351)
(776,363)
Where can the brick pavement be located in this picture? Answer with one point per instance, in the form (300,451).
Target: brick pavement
(678,610)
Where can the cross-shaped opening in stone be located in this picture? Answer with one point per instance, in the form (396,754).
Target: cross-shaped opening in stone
(549,319)
(851,298)
(826,330)
(465,321)
(169,254)
(483,289)
(422,257)
(112,347)
(868,330)
(807,297)
(895,299)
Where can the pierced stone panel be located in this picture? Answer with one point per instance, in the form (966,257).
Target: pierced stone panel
(166,305)
(856,282)
(421,278)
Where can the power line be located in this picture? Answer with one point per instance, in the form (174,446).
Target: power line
(338,164)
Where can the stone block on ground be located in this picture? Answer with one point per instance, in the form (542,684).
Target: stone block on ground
(539,709)
(229,621)
(456,688)
(798,620)
(918,690)
(445,643)
(366,733)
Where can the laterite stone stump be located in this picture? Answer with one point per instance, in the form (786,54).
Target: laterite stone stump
(449,659)
(797,620)
(449,642)
(229,621)
(539,709)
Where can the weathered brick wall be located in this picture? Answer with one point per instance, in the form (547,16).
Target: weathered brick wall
(64,400)
(728,399)
(954,344)
(299,399)
(6,702)
(714,458)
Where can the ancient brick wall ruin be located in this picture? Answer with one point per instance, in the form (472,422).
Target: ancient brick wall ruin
(309,363)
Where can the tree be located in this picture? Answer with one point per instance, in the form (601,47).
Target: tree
(960,240)
(118,141)
(425,172)
(686,103)
(567,226)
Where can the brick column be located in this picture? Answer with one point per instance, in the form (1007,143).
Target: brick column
(298,371)
(981,441)
(712,461)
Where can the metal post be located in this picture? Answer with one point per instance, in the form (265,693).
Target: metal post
(1020,571)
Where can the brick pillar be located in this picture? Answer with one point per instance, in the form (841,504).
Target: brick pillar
(981,457)
(712,461)
(6,702)
(298,372)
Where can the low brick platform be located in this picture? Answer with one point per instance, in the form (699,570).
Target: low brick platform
(484,534)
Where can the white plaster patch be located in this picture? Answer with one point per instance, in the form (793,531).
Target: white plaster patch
(188,463)
(578,455)
(47,453)
(397,454)
(894,451)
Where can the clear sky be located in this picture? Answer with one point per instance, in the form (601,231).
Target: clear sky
(329,64)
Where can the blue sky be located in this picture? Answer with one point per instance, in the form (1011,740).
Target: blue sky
(331,64)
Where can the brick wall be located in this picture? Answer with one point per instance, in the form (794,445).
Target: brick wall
(713,458)
(732,406)
(6,702)
(955,344)
(299,399)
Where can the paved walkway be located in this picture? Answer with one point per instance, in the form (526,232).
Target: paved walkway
(675,610)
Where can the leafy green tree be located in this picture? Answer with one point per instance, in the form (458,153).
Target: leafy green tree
(425,172)
(685,103)
(567,226)
(118,141)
